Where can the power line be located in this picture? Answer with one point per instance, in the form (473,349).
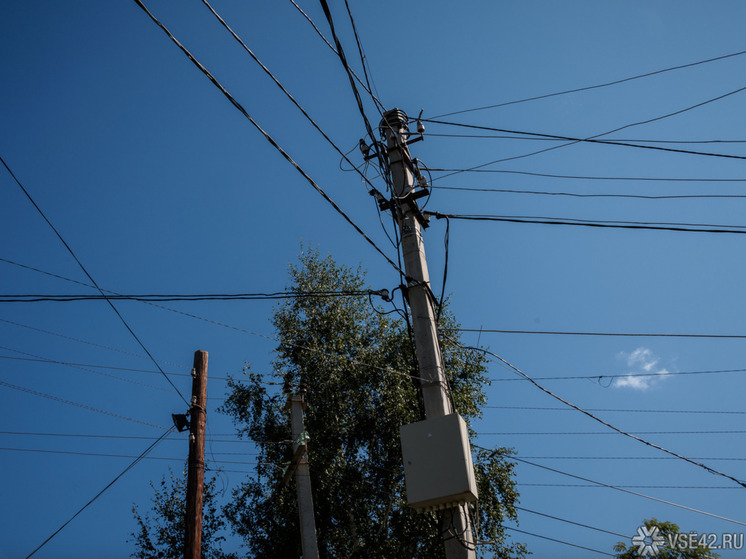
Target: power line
(568,521)
(269,138)
(617,488)
(348,70)
(109,436)
(209,321)
(607,424)
(592,140)
(163,298)
(334,50)
(578,195)
(363,60)
(576,90)
(582,177)
(212,439)
(650,226)
(618,432)
(128,437)
(628,375)
(71,403)
(513,136)
(631,458)
(82,435)
(94,366)
(75,453)
(82,341)
(45,273)
(557,541)
(624,127)
(286,92)
(613,334)
(80,367)
(128,468)
(628,486)
(90,278)
(109,455)
(614,410)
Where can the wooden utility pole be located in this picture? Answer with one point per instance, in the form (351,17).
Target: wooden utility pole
(196,468)
(456,525)
(299,465)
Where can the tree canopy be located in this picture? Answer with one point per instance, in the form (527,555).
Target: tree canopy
(358,365)
(160,532)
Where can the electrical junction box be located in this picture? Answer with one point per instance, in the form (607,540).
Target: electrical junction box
(438,469)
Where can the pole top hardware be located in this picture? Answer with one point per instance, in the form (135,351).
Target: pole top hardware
(395,119)
(382,293)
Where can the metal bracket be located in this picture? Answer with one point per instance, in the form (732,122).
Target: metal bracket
(299,452)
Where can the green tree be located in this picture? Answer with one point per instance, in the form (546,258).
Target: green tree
(160,531)
(357,364)
(674,546)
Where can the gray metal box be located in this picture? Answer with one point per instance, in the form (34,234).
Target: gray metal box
(437,463)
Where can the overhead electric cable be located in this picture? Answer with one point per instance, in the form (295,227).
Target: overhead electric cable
(551,139)
(650,226)
(632,458)
(612,334)
(605,423)
(83,341)
(606,84)
(592,140)
(557,541)
(94,366)
(618,432)
(90,278)
(84,435)
(570,522)
(44,272)
(623,410)
(269,138)
(109,455)
(334,50)
(363,59)
(210,321)
(578,195)
(39,358)
(581,177)
(71,403)
(36,298)
(286,92)
(626,375)
(624,127)
(127,469)
(708,487)
(617,488)
(76,453)
(348,70)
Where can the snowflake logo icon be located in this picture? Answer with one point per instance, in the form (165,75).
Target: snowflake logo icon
(647,541)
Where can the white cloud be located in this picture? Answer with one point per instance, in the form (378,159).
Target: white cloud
(641,361)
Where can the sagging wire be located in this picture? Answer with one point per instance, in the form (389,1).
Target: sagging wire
(519,372)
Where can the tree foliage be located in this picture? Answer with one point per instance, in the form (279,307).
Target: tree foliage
(160,531)
(358,366)
(670,534)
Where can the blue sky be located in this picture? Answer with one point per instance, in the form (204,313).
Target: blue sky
(159,185)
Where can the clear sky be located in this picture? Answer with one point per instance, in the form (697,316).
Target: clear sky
(159,185)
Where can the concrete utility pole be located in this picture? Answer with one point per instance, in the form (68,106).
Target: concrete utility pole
(299,465)
(196,468)
(433,386)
